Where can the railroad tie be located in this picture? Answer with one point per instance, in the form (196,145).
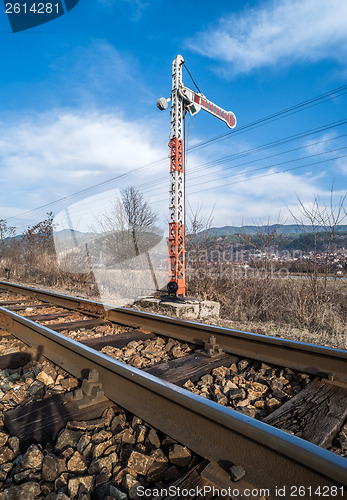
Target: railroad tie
(314,414)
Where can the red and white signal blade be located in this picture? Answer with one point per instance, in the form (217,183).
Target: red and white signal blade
(226,116)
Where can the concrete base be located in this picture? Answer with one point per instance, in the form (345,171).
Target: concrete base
(185,308)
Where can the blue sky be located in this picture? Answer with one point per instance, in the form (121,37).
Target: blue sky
(78,106)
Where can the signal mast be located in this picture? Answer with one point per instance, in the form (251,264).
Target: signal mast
(182,100)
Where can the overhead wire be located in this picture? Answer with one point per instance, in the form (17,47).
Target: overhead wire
(245,153)
(247,171)
(276,116)
(251,151)
(260,176)
(213,172)
(262,121)
(270,166)
(90,188)
(272,173)
(272,144)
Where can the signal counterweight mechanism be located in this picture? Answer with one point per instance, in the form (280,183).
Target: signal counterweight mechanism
(183,99)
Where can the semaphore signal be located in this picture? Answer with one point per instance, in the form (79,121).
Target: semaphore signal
(182,100)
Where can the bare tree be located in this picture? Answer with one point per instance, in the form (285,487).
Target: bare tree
(137,210)
(321,220)
(6,231)
(138,213)
(124,237)
(197,222)
(127,227)
(198,260)
(127,230)
(329,218)
(319,223)
(38,239)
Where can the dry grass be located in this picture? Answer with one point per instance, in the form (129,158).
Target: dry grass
(285,332)
(44,271)
(301,309)
(296,309)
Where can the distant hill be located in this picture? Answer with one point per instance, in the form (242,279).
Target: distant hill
(286,229)
(290,236)
(282,237)
(64,233)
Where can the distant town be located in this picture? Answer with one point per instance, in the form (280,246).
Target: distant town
(297,248)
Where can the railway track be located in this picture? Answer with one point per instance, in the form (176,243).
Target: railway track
(270,457)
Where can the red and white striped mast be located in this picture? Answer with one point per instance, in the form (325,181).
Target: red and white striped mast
(182,99)
(177,205)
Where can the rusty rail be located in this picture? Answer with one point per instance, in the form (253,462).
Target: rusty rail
(317,360)
(270,456)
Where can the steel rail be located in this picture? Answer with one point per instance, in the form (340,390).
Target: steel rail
(270,457)
(318,360)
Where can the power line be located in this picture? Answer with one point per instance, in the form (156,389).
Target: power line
(272,144)
(269,166)
(257,123)
(251,151)
(94,186)
(276,116)
(272,173)
(261,168)
(260,176)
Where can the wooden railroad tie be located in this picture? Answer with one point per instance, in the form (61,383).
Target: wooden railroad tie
(178,371)
(119,340)
(315,414)
(5,303)
(31,306)
(15,359)
(41,421)
(77,325)
(48,317)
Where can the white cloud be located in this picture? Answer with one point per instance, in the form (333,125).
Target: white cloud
(327,144)
(45,157)
(322,144)
(51,155)
(279,32)
(98,73)
(137,6)
(70,139)
(342,165)
(270,198)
